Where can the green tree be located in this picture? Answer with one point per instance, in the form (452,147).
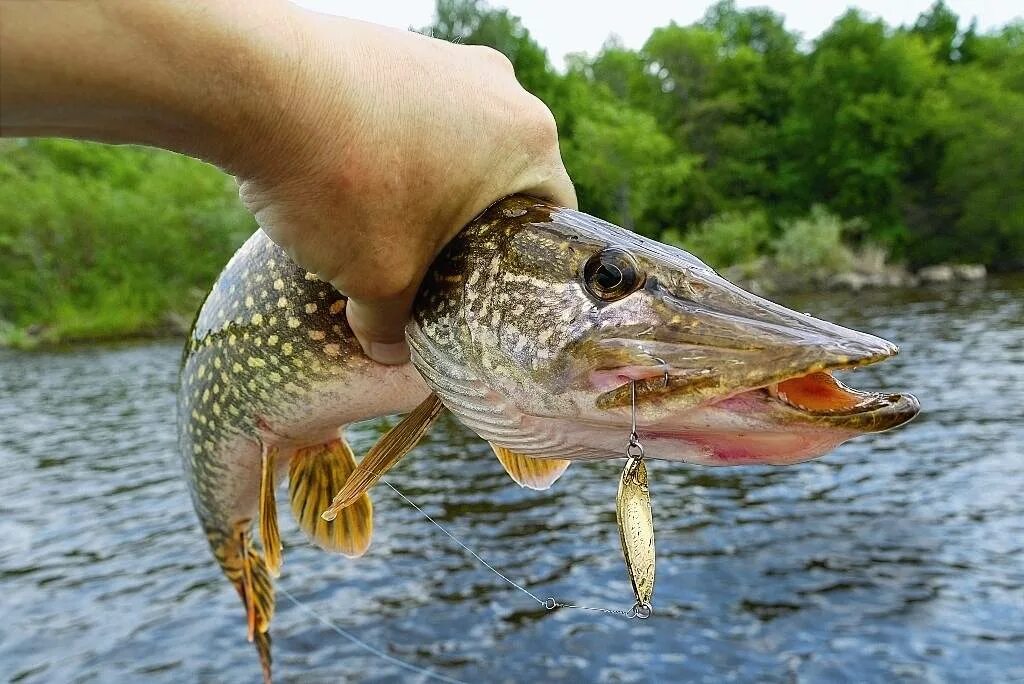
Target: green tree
(728,82)
(861,110)
(939,27)
(1000,54)
(98,240)
(473,22)
(980,179)
(624,73)
(624,166)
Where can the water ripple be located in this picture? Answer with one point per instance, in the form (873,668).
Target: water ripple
(898,558)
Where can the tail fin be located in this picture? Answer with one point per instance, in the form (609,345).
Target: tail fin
(248,571)
(262,642)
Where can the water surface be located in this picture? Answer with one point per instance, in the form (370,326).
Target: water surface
(900,557)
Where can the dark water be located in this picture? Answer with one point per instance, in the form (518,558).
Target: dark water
(900,557)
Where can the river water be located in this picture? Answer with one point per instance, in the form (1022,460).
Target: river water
(899,557)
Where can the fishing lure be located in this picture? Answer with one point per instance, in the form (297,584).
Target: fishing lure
(528,328)
(635,518)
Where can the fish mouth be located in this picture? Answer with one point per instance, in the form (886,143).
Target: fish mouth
(810,397)
(730,349)
(819,398)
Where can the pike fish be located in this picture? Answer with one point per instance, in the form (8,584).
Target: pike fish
(532,328)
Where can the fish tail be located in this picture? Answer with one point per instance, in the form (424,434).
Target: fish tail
(247,569)
(262,643)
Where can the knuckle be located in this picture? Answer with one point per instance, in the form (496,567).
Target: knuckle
(382,281)
(541,128)
(252,198)
(495,57)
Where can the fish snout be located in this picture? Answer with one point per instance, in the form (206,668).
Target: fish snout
(737,327)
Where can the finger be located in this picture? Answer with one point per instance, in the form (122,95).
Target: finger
(379,326)
(557,189)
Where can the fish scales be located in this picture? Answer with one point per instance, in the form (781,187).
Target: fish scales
(534,327)
(270,364)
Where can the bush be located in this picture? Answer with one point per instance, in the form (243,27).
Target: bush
(811,248)
(727,239)
(97,241)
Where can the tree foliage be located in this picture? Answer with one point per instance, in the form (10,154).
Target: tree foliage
(98,240)
(914,130)
(730,136)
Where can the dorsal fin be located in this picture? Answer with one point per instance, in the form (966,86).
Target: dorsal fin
(388,451)
(314,474)
(527,471)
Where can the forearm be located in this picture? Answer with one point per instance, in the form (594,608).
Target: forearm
(197,77)
(360,149)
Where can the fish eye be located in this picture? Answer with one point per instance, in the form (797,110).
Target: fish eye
(611,274)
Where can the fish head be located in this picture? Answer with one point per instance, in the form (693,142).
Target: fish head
(546,331)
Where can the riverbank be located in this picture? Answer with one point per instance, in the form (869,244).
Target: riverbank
(764,277)
(44,336)
(176,324)
(101,242)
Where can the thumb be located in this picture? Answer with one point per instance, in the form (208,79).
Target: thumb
(379,325)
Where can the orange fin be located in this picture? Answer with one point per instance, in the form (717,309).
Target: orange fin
(256,588)
(248,572)
(270,536)
(262,642)
(314,475)
(527,471)
(388,451)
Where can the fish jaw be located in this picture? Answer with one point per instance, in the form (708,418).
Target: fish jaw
(753,428)
(511,334)
(729,378)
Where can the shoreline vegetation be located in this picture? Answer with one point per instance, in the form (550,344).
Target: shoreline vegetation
(872,156)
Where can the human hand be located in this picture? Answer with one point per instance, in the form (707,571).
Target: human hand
(392,142)
(360,149)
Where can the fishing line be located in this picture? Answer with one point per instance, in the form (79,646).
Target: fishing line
(549,603)
(465,548)
(640,610)
(636,529)
(367,647)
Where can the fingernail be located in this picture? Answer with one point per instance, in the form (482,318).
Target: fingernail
(391,354)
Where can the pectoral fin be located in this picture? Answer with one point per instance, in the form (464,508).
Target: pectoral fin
(527,471)
(388,451)
(314,474)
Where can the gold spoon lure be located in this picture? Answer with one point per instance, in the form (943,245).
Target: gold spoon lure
(636,520)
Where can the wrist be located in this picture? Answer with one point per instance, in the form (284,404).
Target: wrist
(246,84)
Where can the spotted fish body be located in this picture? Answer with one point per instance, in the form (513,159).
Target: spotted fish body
(271,366)
(529,327)
(271,362)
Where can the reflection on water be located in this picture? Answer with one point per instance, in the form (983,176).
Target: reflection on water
(898,557)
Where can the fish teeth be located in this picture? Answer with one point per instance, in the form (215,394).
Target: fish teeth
(773,391)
